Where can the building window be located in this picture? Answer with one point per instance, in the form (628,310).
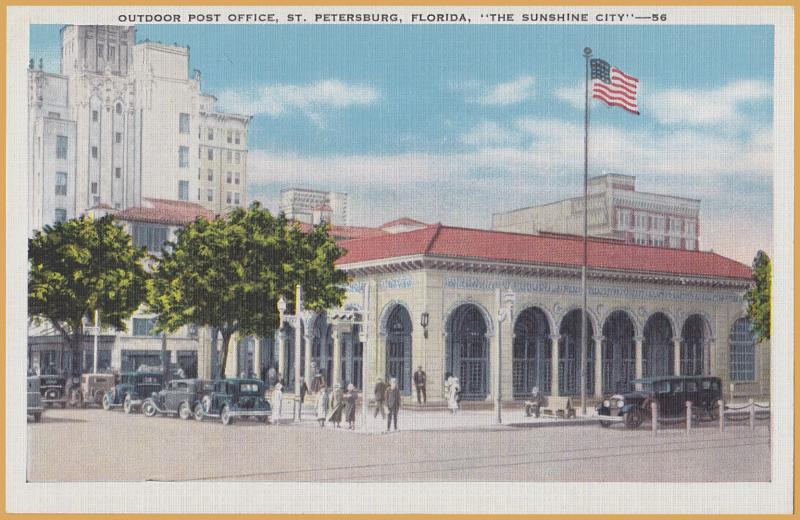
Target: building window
(229,156)
(62,143)
(61,215)
(94,152)
(183,190)
(743,351)
(658,223)
(118,137)
(54,115)
(210,195)
(230,177)
(198,193)
(237,157)
(623,219)
(111,53)
(96,200)
(690,229)
(641,221)
(210,134)
(95,116)
(183,156)
(149,236)
(144,326)
(675,225)
(184,123)
(237,178)
(117,205)
(210,154)
(61,183)
(100,53)
(119,108)
(690,244)
(658,240)
(94,187)
(236,198)
(675,242)
(118,172)
(640,239)
(211,175)
(238,138)
(230,136)
(229,198)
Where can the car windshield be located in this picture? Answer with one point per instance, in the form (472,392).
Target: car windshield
(249,388)
(149,379)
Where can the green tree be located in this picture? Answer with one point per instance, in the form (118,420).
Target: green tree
(79,266)
(759,297)
(229,273)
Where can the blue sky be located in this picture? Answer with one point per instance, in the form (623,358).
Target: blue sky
(453,122)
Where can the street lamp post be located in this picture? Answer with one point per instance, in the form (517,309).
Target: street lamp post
(505,311)
(298,340)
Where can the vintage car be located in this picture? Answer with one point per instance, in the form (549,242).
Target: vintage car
(180,397)
(670,393)
(132,389)
(35,406)
(230,398)
(54,389)
(92,389)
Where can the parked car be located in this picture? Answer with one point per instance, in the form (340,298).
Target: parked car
(131,389)
(670,393)
(54,389)
(92,388)
(231,398)
(180,397)
(35,406)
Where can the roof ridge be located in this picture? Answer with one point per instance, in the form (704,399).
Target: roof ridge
(433,238)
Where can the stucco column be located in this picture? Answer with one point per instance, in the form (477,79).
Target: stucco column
(257,356)
(308,338)
(203,354)
(337,357)
(281,340)
(554,338)
(232,362)
(708,344)
(638,356)
(598,366)
(676,356)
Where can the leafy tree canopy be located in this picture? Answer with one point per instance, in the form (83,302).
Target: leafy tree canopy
(759,297)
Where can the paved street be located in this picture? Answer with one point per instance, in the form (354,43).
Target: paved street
(94,445)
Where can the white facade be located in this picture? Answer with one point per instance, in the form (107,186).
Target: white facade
(616,211)
(308,206)
(131,115)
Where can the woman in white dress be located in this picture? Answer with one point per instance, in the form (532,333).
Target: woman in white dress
(452,394)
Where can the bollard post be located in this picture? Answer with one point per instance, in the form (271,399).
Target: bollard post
(721,404)
(752,414)
(654,414)
(688,416)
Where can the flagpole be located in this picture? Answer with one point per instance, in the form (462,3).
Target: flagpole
(587,53)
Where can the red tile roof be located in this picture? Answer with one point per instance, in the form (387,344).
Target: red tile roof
(480,244)
(161,211)
(348,232)
(403,221)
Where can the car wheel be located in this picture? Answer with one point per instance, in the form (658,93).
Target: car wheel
(37,416)
(148,408)
(713,413)
(184,412)
(225,416)
(198,412)
(127,404)
(633,418)
(605,424)
(265,419)
(106,402)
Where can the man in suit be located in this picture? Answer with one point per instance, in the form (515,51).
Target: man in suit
(420,379)
(392,399)
(380,393)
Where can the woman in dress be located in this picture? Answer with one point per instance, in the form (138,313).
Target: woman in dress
(322,406)
(452,394)
(350,406)
(336,406)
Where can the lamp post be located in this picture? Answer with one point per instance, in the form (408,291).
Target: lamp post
(505,311)
(298,339)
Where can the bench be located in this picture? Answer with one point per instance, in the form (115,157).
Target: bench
(558,406)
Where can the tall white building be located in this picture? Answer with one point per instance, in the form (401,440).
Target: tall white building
(616,211)
(122,122)
(311,206)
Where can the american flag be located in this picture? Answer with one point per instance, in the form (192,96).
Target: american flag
(614,87)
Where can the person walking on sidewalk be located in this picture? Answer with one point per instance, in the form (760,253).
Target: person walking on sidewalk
(420,379)
(322,406)
(277,402)
(380,391)
(392,399)
(303,392)
(453,394)
(336,406)
(350,406)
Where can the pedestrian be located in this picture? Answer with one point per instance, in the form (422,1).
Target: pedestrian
(336,406)
(392,399)
(453,394)
(420,379)
(380,390)
(303,392)
(277,402)
(322,406)
(537,399)
(272,376)
(350,406)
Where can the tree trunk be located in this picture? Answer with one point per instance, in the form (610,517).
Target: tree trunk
(223,355)
(75,347)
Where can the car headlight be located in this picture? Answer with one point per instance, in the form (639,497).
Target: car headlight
(607,403)
(620,404)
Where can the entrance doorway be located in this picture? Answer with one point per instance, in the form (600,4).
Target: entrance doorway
(468,351)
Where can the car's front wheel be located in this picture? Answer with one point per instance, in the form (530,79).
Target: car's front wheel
(198,412)
(633,418)
(184,411)
(605,424)
(127,404)
(225,415)
(149,408)
(106,402)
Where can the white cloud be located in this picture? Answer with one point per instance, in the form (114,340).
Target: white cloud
(312,99)
(489,133)
(574,96)
(507,93)
(699,107)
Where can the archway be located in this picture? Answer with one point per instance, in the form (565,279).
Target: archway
(322,348)
(569,355)
(531,353)
(398,347)
(657,349)
(352,357)
(619,353)
(742,351)
(468,351)
(695,336)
